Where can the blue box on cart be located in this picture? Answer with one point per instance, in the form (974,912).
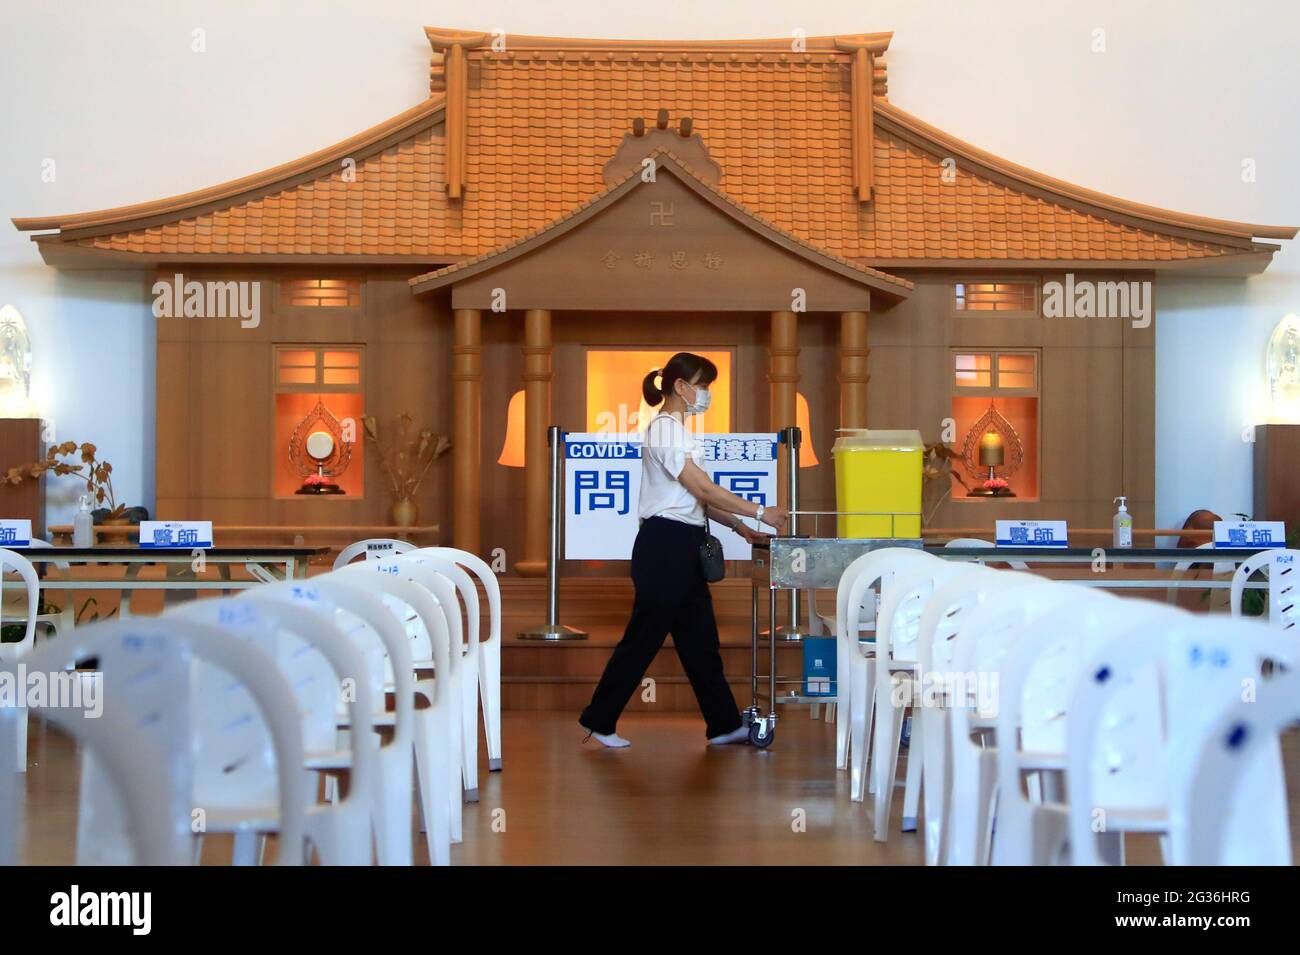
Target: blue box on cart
(819,666)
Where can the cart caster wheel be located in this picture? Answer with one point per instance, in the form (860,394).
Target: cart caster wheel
(757,738)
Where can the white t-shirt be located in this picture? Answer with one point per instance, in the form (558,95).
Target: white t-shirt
(664,452)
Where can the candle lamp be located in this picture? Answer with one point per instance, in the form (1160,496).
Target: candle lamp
(986,450)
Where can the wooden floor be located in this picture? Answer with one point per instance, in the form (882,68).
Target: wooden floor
(669,799)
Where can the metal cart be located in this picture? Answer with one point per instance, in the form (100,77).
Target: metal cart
(796,563)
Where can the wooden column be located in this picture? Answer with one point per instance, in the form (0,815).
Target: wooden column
(854,354)
(537,456)
(467,429)
(784,376)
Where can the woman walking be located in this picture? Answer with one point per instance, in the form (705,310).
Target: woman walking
(672,595)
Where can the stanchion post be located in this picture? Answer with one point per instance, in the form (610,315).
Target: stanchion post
(553,629)
(792,437)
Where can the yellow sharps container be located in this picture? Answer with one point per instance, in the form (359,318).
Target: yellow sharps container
(879,473)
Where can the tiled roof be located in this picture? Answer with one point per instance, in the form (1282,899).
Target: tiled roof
(542,122)
(668,161)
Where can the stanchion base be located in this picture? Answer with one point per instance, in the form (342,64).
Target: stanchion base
(787,634)
(549,631)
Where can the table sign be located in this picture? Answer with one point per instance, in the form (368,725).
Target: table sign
(380,549)
(602,482)
(15,533)
(175,533)
(1032,534)
(1249,534)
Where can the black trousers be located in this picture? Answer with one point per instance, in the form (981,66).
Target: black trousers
(672,596)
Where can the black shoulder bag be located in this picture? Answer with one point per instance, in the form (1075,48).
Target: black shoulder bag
(711,556)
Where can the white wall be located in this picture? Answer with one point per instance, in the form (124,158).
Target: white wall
(1185,90)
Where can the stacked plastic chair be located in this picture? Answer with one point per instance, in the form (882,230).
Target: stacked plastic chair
(1055,720)
(232,715)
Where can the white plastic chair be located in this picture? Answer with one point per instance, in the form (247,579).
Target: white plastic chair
(489,664)
(1180,569)
(322,666)
(1236,661)
(1145,703)
(902,602)
(847,653)
(408,588)
(378,634)
(1283,570)
(469,663)
(375,548)
(229,729)
(977,542)
(1035,683)
(984,639)
(856,659)
(1223,781)
(943,613)
(124,743)
(53,622)
(13,562)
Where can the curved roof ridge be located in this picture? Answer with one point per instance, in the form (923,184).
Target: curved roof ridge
(1070,193)
(267,180)
(833,43)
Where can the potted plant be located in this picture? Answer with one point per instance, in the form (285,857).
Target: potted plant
(405,460)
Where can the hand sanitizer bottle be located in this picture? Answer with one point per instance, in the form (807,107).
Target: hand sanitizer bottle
(1122,524)
(83,534)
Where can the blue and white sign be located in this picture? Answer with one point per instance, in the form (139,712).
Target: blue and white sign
(15,533)
(175,533)
(1249,534)
(602,482)
(1032,534)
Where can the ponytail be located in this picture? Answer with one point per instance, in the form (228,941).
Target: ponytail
(649,390)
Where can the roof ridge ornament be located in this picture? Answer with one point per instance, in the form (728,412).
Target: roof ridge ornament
(683,143)
(449,73)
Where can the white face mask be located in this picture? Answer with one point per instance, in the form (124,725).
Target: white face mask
(701,403)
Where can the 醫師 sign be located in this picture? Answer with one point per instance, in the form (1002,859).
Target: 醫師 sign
(15,533)
(175,533)
(602,483)
(1249,534)
(1032,534)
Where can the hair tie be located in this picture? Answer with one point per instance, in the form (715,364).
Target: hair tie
(659,379)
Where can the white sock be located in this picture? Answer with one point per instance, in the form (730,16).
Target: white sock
(612,740)
(740,735)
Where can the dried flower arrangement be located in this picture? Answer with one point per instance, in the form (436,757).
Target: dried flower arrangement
(406,459)
(97,474)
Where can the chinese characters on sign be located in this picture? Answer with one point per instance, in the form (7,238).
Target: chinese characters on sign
(175,533)
(15,533)
(603,482)
(1249,534)
(677,260)
(1032,534)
